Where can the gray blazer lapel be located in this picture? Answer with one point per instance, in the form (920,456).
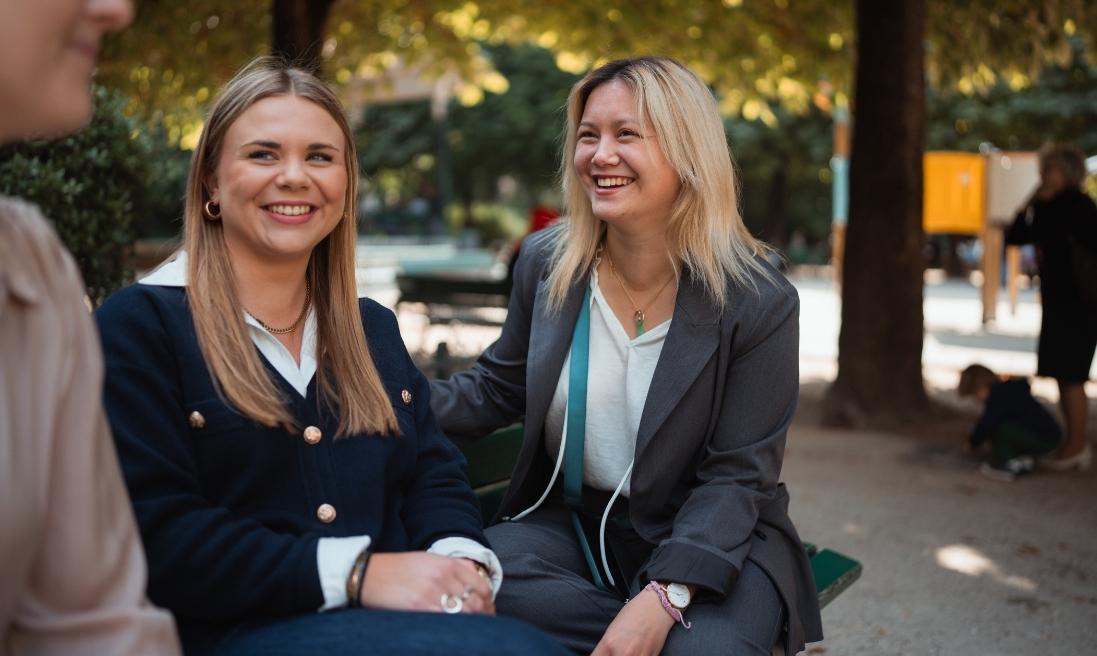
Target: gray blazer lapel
(693,337)
(549,340)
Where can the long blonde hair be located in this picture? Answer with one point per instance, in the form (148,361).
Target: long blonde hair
(705,231)
(347,378)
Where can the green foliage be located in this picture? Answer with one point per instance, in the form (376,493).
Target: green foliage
(784,174)
(1060,106)
(515,134)
(159,203)
(392,136)
(176,55)
(90,185)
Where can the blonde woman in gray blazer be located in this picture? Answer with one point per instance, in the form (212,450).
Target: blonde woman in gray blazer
(679,540)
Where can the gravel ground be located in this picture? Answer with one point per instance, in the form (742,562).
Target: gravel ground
(954,563)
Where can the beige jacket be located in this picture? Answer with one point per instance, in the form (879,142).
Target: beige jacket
(72,570)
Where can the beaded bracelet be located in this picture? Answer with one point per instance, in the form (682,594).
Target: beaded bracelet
(674,613)
(357,578)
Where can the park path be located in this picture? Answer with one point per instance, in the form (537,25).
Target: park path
(954,563)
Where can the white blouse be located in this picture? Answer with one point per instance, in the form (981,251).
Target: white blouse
(619,375)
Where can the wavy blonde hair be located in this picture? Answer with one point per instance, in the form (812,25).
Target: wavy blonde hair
(705,230)
(347,378)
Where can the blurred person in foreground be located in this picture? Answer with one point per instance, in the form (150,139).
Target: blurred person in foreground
(653,354)
(291,484)
(1013,423)
(1061,220)
(72,572)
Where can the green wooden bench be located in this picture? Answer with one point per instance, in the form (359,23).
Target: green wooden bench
(491,459)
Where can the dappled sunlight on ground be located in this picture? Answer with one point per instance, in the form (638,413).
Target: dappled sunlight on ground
(853,528)
(972,562)
(954,563)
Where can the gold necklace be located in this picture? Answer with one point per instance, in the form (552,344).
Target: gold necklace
(638,312)
(296,322)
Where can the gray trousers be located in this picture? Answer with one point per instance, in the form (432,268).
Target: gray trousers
(547,583)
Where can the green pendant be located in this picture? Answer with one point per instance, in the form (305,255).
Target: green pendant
(639,319)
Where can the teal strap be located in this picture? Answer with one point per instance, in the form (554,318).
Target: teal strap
(577,407)
(592,565)
(576,433)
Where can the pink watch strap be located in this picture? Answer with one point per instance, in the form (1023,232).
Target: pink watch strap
(674,613)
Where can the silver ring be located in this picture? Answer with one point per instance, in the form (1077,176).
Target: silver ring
(451,605)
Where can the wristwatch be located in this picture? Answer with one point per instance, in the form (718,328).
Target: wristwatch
(677,594)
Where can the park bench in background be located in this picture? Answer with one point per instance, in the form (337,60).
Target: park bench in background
(491,459)
(449,296)
(453,298)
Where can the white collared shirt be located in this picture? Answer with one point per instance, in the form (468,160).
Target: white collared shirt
(334,556)
(621,369)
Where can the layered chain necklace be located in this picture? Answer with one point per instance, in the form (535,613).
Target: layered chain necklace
(638,315)
(296,322)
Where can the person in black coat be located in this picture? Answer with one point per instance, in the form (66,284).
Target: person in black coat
(1061,220)
(293,490)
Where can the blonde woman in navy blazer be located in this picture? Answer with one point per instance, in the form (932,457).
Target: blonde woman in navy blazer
(692,384)
(289,480)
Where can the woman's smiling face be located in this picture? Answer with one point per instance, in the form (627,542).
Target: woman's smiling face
(281,179)
(624,171)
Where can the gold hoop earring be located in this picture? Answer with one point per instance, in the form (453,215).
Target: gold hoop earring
(213,210)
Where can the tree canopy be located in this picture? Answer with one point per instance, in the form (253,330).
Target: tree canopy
(176,55)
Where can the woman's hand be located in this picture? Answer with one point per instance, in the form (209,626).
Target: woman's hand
(417,580)
(640,629)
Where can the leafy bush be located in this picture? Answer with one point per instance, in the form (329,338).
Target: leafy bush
(92,185)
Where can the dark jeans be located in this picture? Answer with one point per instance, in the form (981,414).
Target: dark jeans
(383,633)
(1011,440)
(548,584)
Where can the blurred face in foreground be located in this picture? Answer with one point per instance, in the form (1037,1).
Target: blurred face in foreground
(48,50)
(626,175)
(280,180)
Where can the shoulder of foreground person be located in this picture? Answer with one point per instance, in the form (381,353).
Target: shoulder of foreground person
(83,591)
(34,265)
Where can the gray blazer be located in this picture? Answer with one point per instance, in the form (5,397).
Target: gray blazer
(704,488)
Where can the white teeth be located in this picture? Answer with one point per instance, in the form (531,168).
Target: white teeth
(291,210)
(613,182)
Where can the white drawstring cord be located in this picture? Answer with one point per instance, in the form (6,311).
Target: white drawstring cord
(555,472)
(605,516)
(605,513)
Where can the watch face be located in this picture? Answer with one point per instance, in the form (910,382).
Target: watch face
(678,595)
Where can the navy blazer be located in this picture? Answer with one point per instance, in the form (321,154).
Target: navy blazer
(228,508)
(704,489)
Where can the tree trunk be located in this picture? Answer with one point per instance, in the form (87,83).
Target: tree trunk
(777,216)
(298,31)
(880,345)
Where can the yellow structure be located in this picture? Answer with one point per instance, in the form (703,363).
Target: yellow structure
(955,196)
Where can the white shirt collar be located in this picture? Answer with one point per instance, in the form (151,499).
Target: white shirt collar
(173,273)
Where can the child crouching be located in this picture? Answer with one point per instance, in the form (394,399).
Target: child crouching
(1017,427)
